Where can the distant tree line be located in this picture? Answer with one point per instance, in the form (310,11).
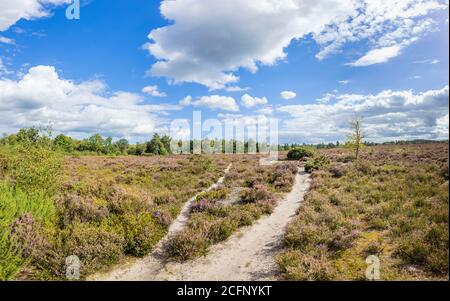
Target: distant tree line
(157,145)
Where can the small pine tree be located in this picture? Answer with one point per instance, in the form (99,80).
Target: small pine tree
(355,139)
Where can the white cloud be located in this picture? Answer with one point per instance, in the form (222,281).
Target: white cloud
(326,98)
(207,42)
(250,102)
(6,40)
(153,91)
(41,96)
(14,10)
(431,62)
(214,102)
(344,82)
(288,95)
(388,115)
(236,89)
(377,56)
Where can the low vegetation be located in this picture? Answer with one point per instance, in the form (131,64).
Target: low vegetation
(249,191)
(99,209)
(393,203)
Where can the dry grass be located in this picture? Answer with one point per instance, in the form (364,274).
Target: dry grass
(393,203)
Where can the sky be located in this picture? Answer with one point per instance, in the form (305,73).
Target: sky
(127,69)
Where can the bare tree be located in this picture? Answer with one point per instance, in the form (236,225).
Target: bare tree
(355,139)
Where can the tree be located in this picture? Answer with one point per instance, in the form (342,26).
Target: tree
(64,143)
(156,147)
(166,141)
(355,139)
(122,145)
(30,135)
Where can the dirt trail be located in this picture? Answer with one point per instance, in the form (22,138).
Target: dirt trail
(247,255)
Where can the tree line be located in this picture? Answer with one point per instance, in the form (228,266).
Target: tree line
(161,144)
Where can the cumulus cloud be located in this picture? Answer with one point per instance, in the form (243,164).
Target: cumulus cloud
(213,102)
(207,42)
(250,101)
(153,91)
(387,115)
(14,10)
(41,96)
(288,95)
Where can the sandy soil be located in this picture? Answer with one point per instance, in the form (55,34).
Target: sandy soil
(247,255)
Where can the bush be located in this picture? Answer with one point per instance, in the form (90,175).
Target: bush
(10,260)
(204,205)
(187,244)
(257,193)
(74,208)
(284,176)
(298,266)
(94,246)
(37,170)
(221,230)
(428,248)
(23,213)
(142,233)
(338,170)
(300,153)
(317,164)
(121,201)
(164,218)
(26,236)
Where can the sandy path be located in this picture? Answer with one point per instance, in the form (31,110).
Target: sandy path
(154,260)
(247,255)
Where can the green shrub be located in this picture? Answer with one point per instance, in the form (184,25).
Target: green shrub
(317,164)
(142,233)
(95,246)
(10,259)
(300,153)
(15,208)
(34,169)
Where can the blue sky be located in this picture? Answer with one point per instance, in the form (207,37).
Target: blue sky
(92,71)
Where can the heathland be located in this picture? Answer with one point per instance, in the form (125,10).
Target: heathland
(104,207)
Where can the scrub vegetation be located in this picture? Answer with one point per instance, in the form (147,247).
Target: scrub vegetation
(97,208)
(393,203)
